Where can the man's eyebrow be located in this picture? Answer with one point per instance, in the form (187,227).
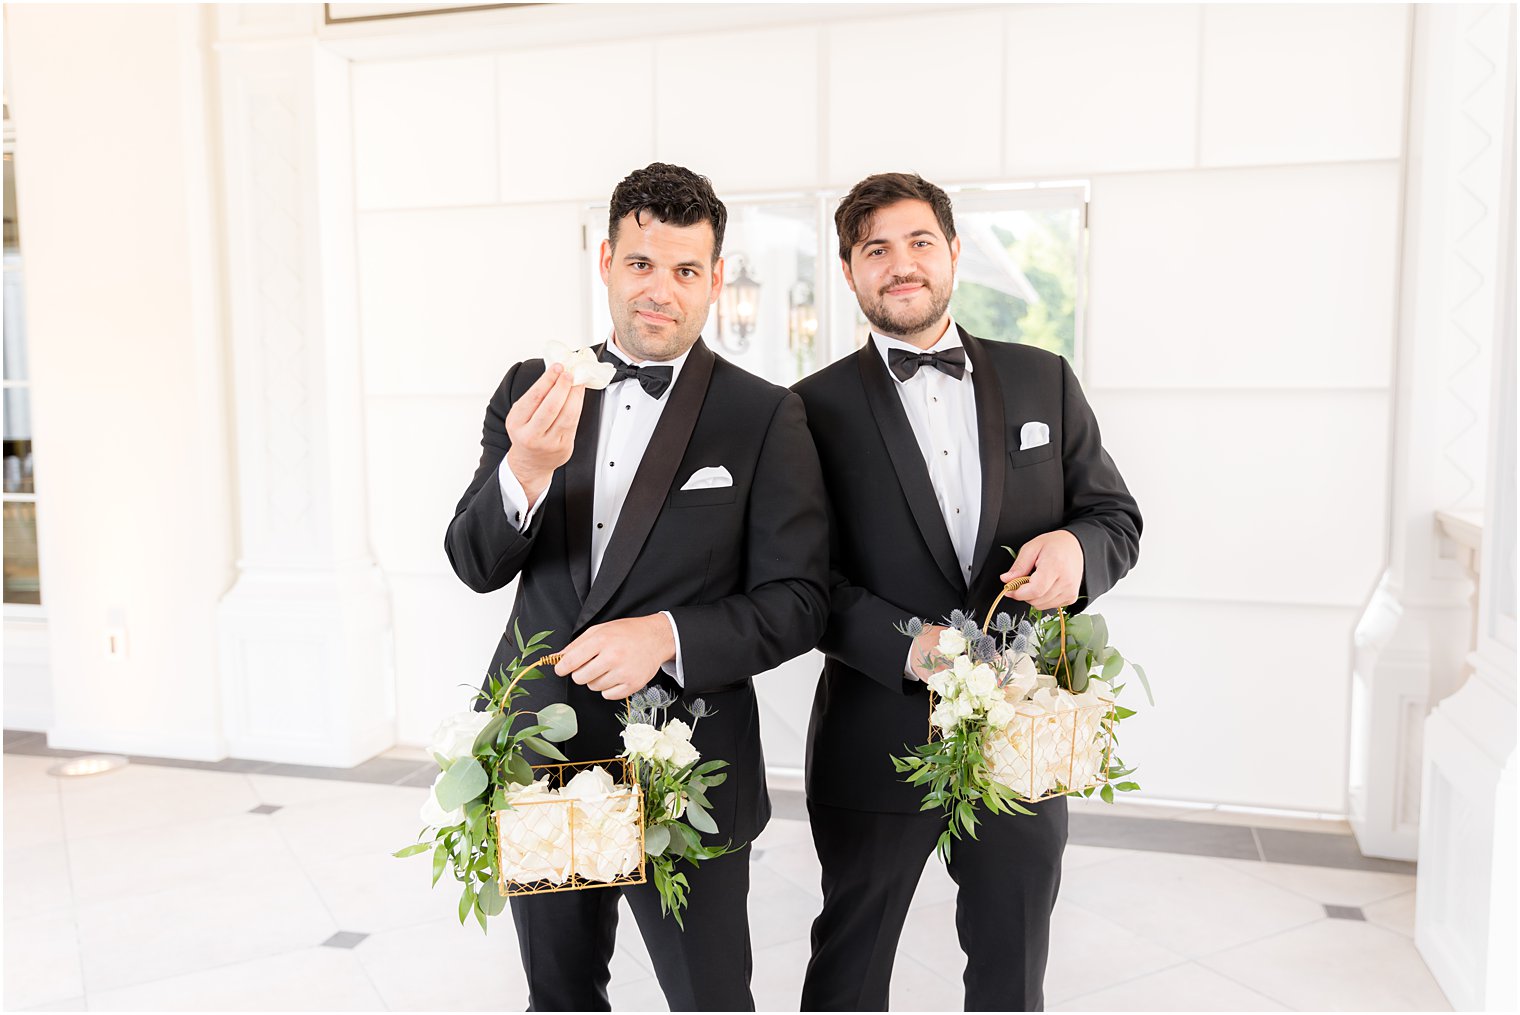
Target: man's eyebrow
(912,235)
(636,256)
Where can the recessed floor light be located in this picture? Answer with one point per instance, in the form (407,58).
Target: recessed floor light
(89,764)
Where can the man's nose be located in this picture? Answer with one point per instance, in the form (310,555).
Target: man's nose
(658,288)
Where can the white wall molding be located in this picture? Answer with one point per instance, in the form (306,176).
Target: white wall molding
(1465,903)
(306,660)
(1414,634)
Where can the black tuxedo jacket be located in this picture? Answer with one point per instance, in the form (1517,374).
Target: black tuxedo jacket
(742,569)
(891,555)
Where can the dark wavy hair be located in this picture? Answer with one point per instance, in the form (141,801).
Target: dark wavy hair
(674,195)
(853,216)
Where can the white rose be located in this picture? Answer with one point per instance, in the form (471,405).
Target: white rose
(639,739)
(683,754)
(433,815)
(951,642)
(664,748)
(589,784)
(962,707)
(677,729)
(675,804)
(582,364)
(942,683)
(456,734)
(981,681)
(943,717)
(1000,714)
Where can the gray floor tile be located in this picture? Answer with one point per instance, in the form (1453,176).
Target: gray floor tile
(1159,835)
(789,803)
(17,737)
(344,939)
(426,773)
(1344,912)
(225,765)
(1313,850)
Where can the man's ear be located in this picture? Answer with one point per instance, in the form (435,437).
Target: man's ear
(955,254)
(849,279)
(604,262)
(717,283)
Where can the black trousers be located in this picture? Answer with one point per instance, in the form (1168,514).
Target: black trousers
(566,940)
(1007,880)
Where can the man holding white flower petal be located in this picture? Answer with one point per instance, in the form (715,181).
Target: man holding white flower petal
(939,449)
(663,513)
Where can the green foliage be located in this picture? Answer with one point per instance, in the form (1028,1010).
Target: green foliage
(676,809)
(952,768)
(477,783)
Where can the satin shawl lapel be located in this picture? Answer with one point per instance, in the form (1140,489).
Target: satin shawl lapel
(580,491)
(907,460)
(991,432)
(651,483)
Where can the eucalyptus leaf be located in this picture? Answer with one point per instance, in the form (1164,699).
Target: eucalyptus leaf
(519,771)
(487,735)
(1113,664)
(1144,682)
(656,838)
(492,902)
(464,781)
(560,720)
(700,819)
(545,748)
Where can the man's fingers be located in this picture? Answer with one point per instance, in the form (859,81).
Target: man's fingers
(577,654)
(548,410)
(522,409)
(570,412)
(1022,564)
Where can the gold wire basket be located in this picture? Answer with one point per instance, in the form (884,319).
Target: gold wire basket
(563,844)
(1047,755)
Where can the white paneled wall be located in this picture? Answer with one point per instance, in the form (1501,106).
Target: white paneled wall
(1267,277)
(1067,111)
(426,132)
(1303,83)
(921,94)
(1243,234)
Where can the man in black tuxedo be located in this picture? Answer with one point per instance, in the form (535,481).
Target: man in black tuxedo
(938,450)
(671,528)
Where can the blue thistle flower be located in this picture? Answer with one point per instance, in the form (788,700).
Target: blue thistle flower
(984,649)
(957,619)
(1003,623)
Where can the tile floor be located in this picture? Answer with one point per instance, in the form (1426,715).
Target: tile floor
(169,888)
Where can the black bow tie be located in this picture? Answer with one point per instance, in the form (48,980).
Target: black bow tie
(654,380)
(905,364)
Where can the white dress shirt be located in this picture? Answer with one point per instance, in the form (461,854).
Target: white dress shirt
(629,416)
(942,412)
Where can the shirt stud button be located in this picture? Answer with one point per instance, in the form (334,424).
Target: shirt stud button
(598,524)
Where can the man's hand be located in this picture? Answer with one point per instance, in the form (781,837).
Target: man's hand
(619,657)
(1053,562)
(541,425)
(925,643)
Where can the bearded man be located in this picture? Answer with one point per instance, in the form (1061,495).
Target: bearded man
(938,449)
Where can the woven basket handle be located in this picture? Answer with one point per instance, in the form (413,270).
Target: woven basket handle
(553,660)
(1008,588)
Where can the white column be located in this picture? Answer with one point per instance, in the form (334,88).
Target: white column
(1465,893)
(307,664)
(1414,634)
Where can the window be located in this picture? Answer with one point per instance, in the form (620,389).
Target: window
(1022,271)
(787,311)
(22,585)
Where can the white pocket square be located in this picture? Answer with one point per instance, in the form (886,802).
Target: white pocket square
(710,478)
(1033,434)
